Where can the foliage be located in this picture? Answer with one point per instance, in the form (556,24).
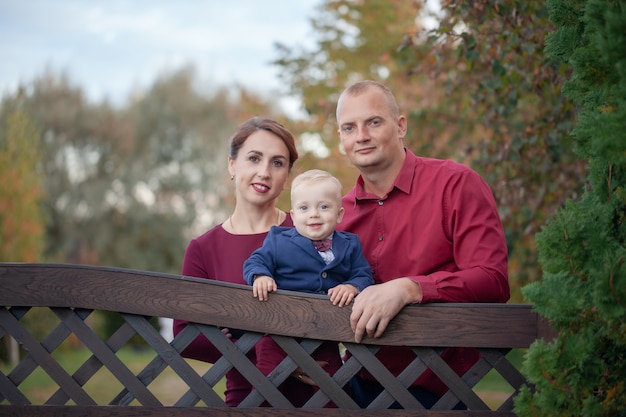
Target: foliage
(22,221)
(355,40)
(476,88)
(582,251)
(21,193)
(129,186)
(513,123)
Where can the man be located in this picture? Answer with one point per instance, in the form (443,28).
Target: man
(430,230)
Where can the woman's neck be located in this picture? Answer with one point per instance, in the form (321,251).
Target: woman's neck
(251,220)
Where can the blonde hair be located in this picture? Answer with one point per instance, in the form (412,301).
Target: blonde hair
(317,175)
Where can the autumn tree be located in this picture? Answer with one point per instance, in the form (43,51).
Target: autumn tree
(21,192)
(21,195)
(354,40)
(124,186)
(475,86)
(128,186)
(510,120)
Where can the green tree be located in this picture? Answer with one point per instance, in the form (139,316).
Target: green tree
(583,249)
(70,144)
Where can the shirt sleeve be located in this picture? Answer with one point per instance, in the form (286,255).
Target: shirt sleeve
(472,222)
(361,271)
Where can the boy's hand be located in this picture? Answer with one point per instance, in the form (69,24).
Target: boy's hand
(342,294)
(262,286)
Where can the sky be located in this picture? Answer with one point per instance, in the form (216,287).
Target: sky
(112,49)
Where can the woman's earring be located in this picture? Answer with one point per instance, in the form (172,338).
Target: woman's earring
(232,177)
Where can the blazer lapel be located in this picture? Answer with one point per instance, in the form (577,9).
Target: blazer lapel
(304,243)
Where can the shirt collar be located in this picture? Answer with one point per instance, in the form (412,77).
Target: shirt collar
(403,181)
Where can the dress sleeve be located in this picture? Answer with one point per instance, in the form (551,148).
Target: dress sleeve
(200,348)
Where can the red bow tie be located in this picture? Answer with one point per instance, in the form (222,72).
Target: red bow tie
(322,245)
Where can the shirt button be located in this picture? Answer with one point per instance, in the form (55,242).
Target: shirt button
(380,237)
(324,274)
(381,202)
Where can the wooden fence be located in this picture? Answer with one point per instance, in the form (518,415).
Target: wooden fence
(74,292)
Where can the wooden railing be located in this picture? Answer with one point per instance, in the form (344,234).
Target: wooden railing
(73,292)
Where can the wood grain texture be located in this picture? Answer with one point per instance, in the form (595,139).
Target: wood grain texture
(297,321)
(286,313)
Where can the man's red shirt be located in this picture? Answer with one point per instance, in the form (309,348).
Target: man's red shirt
(439,226)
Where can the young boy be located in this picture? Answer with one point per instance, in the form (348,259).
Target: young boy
(290,260)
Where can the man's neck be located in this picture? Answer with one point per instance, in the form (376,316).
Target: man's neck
(379,181)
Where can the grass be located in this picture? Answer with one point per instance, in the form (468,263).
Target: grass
(103,386)
(493,388)
(168,387)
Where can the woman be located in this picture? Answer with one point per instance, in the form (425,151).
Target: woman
(262,153)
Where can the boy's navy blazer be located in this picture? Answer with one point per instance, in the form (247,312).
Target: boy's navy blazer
(294,263)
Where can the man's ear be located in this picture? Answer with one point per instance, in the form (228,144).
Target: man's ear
(402,126)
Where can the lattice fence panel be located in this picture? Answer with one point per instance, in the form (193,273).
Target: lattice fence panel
(200,389)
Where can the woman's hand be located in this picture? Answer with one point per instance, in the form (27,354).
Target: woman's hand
(304,378)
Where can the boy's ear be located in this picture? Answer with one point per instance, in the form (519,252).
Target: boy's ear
(340,215)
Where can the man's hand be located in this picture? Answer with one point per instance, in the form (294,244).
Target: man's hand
(377,304)
(262,286)
(342,294)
